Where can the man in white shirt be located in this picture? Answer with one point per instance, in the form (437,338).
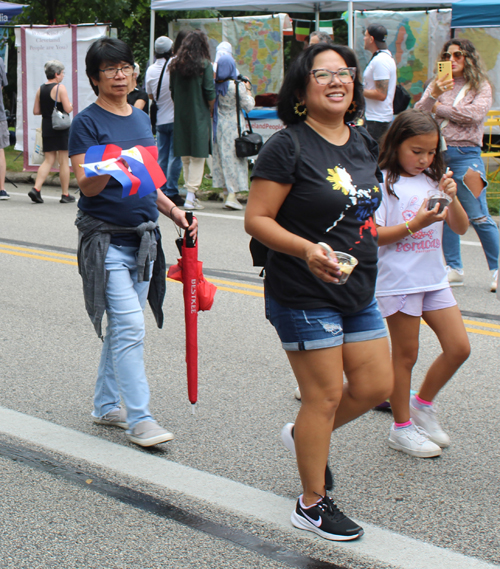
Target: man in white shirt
(170,164)
(380,79)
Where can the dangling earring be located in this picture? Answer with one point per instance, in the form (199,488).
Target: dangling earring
(298,111)
(353,108)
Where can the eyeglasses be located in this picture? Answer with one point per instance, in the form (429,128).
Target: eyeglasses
(457,55)
(346,75)
(112,72)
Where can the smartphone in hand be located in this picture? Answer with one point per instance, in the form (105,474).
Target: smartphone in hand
(444,69)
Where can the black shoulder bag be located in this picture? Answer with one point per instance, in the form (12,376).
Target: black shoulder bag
(248,143)
(153,111)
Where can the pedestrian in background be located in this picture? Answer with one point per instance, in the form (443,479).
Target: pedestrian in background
(380,80)
(55,142)
(412,281)
(4,133)
(460,104)
(169,163)
(193,93)
(229,172)
(138,97)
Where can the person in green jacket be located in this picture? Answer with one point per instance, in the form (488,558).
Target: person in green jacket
(193,93)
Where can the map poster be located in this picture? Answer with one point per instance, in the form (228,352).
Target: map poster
(257,45)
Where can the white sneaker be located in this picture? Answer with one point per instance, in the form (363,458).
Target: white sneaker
(425,416)
(413,441)
(287,437)
(494,280)
(232,202)
(455,276)
(297,394)
(195,204)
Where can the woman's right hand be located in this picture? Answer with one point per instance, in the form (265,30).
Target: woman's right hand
(439,86)
(321,265)
(426,217)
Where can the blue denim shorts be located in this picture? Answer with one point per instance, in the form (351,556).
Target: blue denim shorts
(323,327)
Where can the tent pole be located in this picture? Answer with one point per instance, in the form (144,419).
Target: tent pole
(152,37)
(350,25)
(317,16)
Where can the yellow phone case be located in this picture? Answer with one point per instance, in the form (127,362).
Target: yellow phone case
(444,68)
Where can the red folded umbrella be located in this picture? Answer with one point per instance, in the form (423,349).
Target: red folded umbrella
(198,295)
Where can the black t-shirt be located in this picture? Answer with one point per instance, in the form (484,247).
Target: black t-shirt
(137,94)
(334,194)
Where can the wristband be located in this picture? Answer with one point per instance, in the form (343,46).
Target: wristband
(408,228)
(170,212)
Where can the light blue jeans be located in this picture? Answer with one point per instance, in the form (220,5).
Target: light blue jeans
(170,164)
(121,369)
(459,160)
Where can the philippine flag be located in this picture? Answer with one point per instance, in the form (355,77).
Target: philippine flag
(142,176)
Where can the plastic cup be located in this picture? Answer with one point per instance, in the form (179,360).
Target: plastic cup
(347,264)
(437,197)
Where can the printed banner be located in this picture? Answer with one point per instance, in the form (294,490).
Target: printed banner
(36,45)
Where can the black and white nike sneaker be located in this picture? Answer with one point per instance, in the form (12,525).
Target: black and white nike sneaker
(325,519)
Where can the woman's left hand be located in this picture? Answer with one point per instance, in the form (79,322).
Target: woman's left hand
(179,218)
(448,184)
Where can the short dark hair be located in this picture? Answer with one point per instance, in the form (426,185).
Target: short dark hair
(105,50)
(379,34)
(409,123)
(298,76)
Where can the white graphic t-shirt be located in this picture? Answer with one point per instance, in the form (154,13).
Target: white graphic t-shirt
(415,263)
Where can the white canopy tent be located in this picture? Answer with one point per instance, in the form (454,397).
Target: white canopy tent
(305,6)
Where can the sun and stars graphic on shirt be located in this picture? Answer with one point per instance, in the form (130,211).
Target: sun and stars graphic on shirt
(363,201)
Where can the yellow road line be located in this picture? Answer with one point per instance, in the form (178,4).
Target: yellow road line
(235,286)
(48,253)
(483,332)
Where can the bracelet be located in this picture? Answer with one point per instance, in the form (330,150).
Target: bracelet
(170,212)
(408,228)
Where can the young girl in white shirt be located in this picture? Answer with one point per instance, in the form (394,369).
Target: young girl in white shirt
(412,281)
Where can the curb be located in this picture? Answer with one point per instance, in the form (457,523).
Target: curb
(29,178)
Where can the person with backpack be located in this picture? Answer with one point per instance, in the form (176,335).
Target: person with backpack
(315,188)
(380,80)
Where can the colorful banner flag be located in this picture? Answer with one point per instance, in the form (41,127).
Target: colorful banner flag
(302,29)
(142,176)
(326,26)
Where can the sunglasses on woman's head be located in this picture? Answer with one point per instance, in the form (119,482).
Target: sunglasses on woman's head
(457,55)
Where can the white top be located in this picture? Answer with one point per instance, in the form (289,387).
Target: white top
(415,263)
(165,104)
(381,68)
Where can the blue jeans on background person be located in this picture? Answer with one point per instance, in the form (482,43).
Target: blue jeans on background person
(459,160)
(121,369)
(170,164)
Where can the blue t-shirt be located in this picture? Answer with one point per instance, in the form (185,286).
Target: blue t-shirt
(94,126)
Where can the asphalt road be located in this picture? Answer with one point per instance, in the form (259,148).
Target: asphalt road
(51,516)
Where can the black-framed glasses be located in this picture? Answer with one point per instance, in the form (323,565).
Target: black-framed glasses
(457,55)
(346,75)
(112,72)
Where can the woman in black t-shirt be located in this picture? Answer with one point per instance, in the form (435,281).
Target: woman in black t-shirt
(315,188)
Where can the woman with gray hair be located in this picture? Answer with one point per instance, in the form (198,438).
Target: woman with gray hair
(55,142)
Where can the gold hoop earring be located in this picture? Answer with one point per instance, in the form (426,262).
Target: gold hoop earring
(353,108)
(298,111)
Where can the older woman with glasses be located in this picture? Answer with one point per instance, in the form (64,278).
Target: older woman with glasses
(314,190)
(119,251)
(460,104)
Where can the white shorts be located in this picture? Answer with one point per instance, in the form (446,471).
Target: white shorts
(417,303)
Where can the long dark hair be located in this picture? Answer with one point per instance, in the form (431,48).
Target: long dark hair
(474,72)
(298,76)
(407,124)
(192,54)
(178,40)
